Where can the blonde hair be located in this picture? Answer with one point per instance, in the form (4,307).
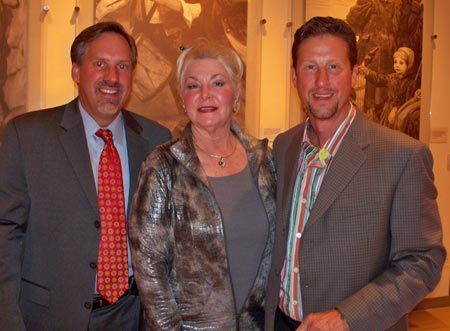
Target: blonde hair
(205,49)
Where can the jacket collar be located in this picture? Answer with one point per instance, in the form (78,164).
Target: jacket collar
(73,140)
(347,161)
(184,151)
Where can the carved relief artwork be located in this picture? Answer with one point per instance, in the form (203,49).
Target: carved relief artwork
(13,66)
(162,29)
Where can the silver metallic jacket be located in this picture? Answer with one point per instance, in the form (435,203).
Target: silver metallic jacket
(178,246)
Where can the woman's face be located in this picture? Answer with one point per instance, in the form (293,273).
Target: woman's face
(400,65)
(209,94)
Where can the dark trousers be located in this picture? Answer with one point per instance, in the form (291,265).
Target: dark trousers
(284,322)
(125,314)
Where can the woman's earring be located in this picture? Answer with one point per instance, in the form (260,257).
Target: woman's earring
(236,107)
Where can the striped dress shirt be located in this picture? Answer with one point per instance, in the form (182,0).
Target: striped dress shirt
(312,167)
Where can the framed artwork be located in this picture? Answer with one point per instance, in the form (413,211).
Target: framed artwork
(162,30)
(390,36)
(13,64)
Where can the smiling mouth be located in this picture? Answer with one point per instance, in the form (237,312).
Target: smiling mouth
(207,109)
(107,91)
(322,95)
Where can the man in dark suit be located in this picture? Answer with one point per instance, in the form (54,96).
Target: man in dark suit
(358,239)
(49,215)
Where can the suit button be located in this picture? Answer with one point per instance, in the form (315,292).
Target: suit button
(88,305)
(93,265)
(97,224)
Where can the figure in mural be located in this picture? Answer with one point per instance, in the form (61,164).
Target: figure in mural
(384,26)
(401,84)
(162,29)
(407,117)
(224,21)
(157,27)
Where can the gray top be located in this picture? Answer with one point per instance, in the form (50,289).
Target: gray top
(246,229)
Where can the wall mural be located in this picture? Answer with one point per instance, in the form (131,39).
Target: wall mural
(162,29)
(389,43)
(13,66)
(389,36)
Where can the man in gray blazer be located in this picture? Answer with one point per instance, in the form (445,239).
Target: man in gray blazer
(358,239)
(49,215)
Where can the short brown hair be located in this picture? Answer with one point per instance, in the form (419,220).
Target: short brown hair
(318,26)
(79,45)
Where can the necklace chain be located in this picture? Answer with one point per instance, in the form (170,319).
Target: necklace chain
(221,163)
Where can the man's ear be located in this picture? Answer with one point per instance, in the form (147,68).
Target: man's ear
(75,73)
(294,76)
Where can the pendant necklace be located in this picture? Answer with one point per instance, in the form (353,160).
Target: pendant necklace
(221,163)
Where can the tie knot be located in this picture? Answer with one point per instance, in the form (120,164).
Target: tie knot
(106,135)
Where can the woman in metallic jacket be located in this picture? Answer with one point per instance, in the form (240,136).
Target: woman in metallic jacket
(203,215)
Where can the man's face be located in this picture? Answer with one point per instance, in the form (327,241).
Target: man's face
(104,77)
(324,77)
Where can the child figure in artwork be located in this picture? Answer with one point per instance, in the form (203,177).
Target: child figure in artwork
(401,83)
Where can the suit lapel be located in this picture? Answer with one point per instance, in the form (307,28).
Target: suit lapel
(73,140)
(349,158)
(290,172)
(137,147)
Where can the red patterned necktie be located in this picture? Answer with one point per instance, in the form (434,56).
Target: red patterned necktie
(112,268)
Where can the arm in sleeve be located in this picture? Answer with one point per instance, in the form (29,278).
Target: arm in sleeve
(14,210)
(151,249)
(416,255)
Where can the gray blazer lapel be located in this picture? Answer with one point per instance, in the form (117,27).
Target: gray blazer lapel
(73,140)
(349,158)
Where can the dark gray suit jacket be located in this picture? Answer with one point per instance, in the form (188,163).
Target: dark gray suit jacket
(372,246)
(49,222)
